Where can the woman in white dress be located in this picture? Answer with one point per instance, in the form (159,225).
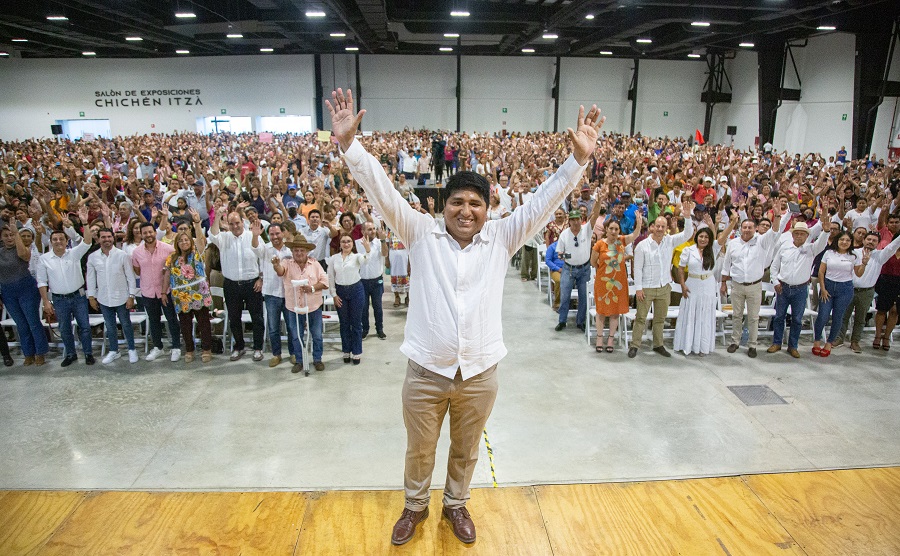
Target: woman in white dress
(698,269)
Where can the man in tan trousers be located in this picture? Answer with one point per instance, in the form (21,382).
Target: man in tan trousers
(453,336)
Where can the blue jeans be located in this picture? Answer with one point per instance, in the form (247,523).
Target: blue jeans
(794,297)
(66,308)
(840,295)
(275,310)
(373,288)
(155,309)
(315,328)
(109,317)
(23,302)
(569,278)
(350,315)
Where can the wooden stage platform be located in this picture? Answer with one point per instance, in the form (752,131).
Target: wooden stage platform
(825,513)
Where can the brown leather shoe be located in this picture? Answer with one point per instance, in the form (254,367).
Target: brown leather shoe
(773,348)
(39,360)
(405,527)
(29,361)
(732,348)
(463,527)
(794,353)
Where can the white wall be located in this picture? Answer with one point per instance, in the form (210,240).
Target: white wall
(419,91)
(888,113)
(36,93)
(520,84)
(814,124)
(600,81)
(408,91)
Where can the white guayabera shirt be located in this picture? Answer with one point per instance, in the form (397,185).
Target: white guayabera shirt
(456,294)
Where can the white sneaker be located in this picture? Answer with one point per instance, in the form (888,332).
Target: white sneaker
(132,356)
(257,355)
(110,357)
(154,354)
(176,354)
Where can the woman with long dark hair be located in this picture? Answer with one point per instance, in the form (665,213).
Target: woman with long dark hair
(695,328)
(839,265)
(349,296)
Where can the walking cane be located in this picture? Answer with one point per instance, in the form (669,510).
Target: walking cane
(305,346)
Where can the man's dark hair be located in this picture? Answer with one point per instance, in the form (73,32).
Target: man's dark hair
(101,230)
(317,211)
(54,232)
(145,224)
(274,225)
(876,235)
(469,180)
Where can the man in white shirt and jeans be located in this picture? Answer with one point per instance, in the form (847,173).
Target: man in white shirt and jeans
(372,275)
(790,273)
(744,265)
(653,278)
(59,276)
(574,248)
(452,341)
(111,289)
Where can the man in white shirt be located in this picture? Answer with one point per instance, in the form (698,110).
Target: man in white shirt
(111,289)
(653,278)
(59,274)
(744,265)
(864,286)
(243,279)
(318,235)
(372,275)
(273,289)
(574,248)
(790,274)
(452,342)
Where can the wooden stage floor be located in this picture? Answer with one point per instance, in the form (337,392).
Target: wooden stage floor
(815,513)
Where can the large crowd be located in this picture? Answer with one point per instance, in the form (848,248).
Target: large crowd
(159,226)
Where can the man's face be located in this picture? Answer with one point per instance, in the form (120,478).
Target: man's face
(148,198)
(575,225)
(585,194)
(59,242)
(871,242)
(799,237)
(465,214)
(748,229)
(658,228)
(300,255)
(235,224)
(107,240)
(894,225)
(276,236)
(860,205)
(619,209)
(369,230)
(315,219)
(148,234)
(764,226)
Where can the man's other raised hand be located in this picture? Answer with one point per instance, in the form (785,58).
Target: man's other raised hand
(343,122)
(584,139)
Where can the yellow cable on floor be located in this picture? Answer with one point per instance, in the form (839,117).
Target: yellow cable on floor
(490,452)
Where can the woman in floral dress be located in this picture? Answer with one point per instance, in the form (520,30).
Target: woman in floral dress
(611,280)
(190,290)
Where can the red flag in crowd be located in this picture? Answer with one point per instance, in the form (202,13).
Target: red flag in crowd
(699,138)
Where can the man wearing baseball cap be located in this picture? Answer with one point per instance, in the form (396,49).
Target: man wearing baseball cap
(574,248)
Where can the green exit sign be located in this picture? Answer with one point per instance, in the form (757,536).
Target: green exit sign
(504,110)
(81,114)
(281,110)
(665,114)
(844,118)
(222,111)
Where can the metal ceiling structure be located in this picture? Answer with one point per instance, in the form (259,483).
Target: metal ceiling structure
(493,27)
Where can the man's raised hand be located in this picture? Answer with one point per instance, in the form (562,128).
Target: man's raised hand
(584,139)
(343,122)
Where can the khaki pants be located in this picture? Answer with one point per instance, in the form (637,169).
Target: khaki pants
(427,397)
(529,266)
(859,307)
(554,286)
(751,297)
(659,298)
